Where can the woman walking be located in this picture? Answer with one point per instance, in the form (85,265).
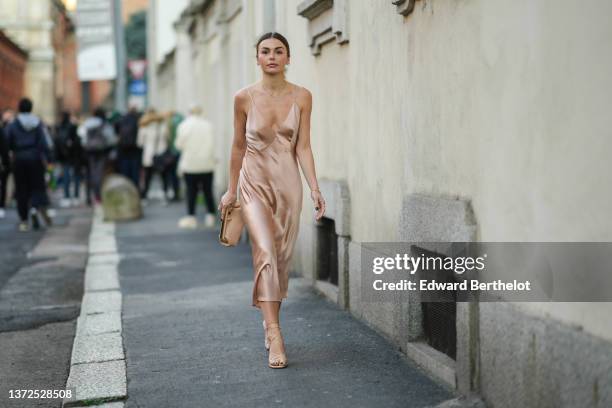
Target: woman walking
(271,135)
(196,142)
(153,139)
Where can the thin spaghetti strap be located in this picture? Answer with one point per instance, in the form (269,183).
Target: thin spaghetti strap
(294,93)
(251,98)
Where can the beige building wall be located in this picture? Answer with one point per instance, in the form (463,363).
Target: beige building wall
(161,46)
(498,104)
(166,84)
(469,101)
(29,24)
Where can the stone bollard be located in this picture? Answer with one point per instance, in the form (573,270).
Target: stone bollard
(120,199)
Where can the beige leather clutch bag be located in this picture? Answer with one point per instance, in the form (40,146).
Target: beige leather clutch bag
(231,225)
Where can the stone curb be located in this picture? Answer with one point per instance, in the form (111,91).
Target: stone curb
(472,401)
(93,382)
(103,259)
(101,302)
(97,368)
(100,277)
(118,404)
(97,348)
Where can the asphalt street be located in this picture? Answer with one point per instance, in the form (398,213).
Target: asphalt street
(192,338)
(15,246)
(41,286)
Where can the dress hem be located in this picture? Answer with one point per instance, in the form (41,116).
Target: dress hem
(267,300)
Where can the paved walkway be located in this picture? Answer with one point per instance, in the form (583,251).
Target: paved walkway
(192,339)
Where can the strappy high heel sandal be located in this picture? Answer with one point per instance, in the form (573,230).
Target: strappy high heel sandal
(275,360)
(266,343)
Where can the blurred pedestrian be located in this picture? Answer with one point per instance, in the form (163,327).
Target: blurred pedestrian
(27,142)
(83,163)
(7,117)
(153,139)
(196,143)
(113,119)
(128,152)
(98,138)
(173,120)
(69,152)
(4,169)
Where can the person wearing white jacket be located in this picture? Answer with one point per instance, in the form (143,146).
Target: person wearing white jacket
(195,140)
(153,139)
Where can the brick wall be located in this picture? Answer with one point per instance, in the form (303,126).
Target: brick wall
(12,72)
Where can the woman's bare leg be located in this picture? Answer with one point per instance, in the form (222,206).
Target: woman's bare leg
(270,311)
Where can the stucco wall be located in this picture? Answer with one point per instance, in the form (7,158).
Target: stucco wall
(502,103)
(166,85)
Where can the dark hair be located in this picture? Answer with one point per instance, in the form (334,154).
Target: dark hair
(25,105)
(276,35)
(100,113)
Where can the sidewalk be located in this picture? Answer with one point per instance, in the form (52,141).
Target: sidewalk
(192,338)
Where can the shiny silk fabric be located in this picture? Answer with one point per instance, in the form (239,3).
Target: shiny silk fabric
(271,198)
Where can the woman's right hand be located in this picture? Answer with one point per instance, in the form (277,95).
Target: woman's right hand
(228,199)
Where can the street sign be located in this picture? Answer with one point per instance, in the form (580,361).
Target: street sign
(137,68)
(96,59)
(138,87)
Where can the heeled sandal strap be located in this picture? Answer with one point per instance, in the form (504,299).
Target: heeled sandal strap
(272,331)
(272,337)
(275,360)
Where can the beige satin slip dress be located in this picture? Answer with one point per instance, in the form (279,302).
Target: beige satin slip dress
(271,198)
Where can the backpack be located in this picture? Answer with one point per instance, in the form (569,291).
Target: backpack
(63,142)
(96,141)
(128,132)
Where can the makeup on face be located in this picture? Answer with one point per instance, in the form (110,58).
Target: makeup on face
(272,56)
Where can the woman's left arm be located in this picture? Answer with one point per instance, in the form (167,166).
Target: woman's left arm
(304,154)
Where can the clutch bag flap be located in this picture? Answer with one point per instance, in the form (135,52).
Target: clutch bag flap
(231,225)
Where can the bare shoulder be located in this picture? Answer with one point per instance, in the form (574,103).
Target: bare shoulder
(241,98)
(242,94)
(303,96)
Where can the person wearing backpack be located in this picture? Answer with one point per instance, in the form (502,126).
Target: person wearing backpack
(128,152)
(27,142)
(98,137)
(68,153)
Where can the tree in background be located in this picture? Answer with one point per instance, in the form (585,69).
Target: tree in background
(136,36)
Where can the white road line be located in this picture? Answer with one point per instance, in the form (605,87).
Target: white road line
(97,366)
